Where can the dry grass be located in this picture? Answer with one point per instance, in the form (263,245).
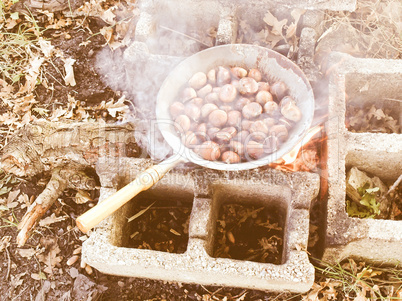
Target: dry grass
(373,30)
(18,44)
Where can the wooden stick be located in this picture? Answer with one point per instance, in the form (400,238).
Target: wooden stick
(38,208)
(143,181)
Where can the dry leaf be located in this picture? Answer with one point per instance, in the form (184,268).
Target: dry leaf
(368,273)
(364,88)
(86,43)
(82,197)
(5,242)
(16,279)
(270,19)
(56,114)
(291,31)
(119,106)
(68,67)
(312,295)
(107,33)
(38,276)
(139,213)
(108,16)
(51,219)
(46,47)
(26,253)
(12,195)
(10,23)
(32,76)
(50,257)
(296,14)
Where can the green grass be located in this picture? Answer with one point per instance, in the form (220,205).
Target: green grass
(18,45)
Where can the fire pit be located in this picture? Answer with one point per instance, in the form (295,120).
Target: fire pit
(109,247)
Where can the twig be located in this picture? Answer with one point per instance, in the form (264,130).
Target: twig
(185,35)
(397,182)
(393,99)
(211,293)
(9,263)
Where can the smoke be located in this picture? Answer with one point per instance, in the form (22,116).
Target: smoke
(167,36)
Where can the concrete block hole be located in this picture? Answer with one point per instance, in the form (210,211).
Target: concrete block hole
(365,90)
(157,220)
(250,226)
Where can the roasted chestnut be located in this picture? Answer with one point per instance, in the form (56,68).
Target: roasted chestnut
(234,114)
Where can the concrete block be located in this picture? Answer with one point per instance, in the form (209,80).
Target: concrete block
(365,81)
(227,32)
(145,27)
(105,249)
(314,19)
(306,53)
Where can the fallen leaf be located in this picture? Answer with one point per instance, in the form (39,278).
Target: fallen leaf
(296,14)
(12,205)
(291,31)
(51,219)
(270,19)
(107,33)
(82,197)
(5,242)
(368,273)
(32,76)
(26,253)
(46,47)
(12,195)
(365,87)
(312,295)
(14,16)
(50,257)
(108,16)
(68,67)
(11,23)
(56,114)
(119,106)
(38,276)
(16,279)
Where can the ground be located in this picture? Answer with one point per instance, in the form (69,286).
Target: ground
(36,83)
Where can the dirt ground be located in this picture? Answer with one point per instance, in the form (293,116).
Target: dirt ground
(48,267)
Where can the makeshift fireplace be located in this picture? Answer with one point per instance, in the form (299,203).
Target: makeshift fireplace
(201,242)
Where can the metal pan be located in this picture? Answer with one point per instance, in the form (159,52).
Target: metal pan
(272,65)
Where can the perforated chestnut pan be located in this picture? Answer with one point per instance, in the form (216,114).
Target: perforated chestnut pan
(272,65)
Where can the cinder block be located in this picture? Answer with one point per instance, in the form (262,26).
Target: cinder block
(105,249)
(193,16)
(365,81)
(227,31)
(306,54)
(314,19)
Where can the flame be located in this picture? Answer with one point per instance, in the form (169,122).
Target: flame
(299,158)
(291,157)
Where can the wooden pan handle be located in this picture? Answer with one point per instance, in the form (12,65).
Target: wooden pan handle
(143,181)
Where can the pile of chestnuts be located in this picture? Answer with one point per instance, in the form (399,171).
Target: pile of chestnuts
(233,115)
